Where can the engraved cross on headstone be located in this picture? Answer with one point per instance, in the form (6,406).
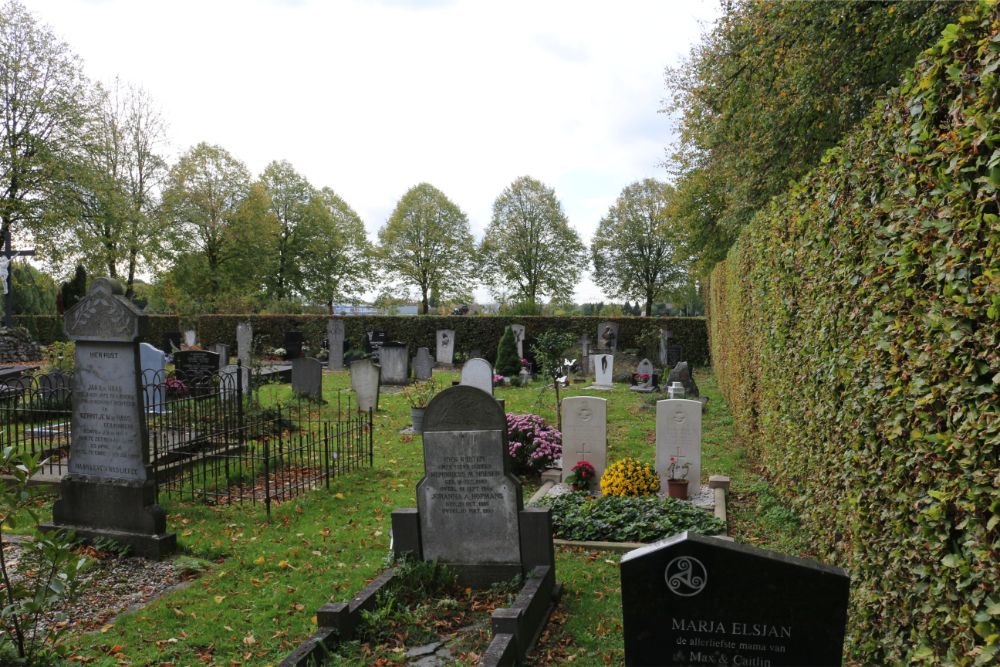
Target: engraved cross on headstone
(5,273)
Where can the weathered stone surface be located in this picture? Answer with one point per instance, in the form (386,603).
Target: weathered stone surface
(693,600)
(365,383)
(665,336)
(335,341)
(395,362)
(518,330)
(16,344)
(445,346)
(478,373)
(423,364)
(682,373)
(678,434)
(585,435)
(585,355)
(607,337)
(468,501)
(104,315)
(222,350)
(645,367)
(244,343)
(307,377)
(604,367)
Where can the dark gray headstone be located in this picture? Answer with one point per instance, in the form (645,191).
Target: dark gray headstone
(468,501)
(376,339)
(307,377)
(682,373)
(395,362)
(293,344)
(335,341)
(693,600)
(607,337)
(423,364)
(196,368)
(675,355)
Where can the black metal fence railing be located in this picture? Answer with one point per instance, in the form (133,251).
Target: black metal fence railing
(210,439)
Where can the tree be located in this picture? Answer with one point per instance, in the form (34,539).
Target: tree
(42,89)
(635,251)
(340,255)
(529,244)
(427,243)
(71,291)
(106,211)
(203,195)
(548,349)
(34,291)
(508,362)
(771,87)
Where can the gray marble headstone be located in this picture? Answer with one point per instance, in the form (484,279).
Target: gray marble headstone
(518,330)
(365,383)
(585,435)
(307,377)
(335,341)
(604,368)
(190,337)
(607,337)
(678,434)
(109,491)
(423,364)
(153,364)
(645,367)
(585,355)
(479,374)
(445,346)
(395,362)
(467,500)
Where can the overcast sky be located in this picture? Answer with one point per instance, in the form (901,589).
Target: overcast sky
(371,98)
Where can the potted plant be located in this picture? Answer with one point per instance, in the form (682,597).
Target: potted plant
(677,487)
(581,475)
(418,395)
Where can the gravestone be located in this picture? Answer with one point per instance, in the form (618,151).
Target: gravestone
(229,380)
(172,341)
(153,363)
(478,373)
(682,373)
(678,434)
(607,337)
(292,344)
(376,339)
(604,367)
(190,337)
(423,364)
(518,330)
(445,350)
(110,491)
(585,435)
(55,386)
(365,383)
(244,350)
(675,355)
(585,355)
(665,336)
(394,359)
(335,343)
(196,369)
(222,350)
(645,367)
(694,600)
(307,377)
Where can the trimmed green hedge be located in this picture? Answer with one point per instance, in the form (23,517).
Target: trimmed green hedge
(855,330)
(475,332)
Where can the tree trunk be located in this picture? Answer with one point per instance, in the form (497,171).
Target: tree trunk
(423,300)
(649,304)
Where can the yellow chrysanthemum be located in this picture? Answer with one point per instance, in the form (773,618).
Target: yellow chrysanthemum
(629,477)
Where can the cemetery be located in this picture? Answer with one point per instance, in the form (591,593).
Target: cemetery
(242,423)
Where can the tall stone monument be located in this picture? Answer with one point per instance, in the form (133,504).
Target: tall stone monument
(109,491)
(445,346)
(518,330)
(607,337)
(335,341)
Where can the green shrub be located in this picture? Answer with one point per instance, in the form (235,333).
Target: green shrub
(508,363)
(577,516)
(855,327)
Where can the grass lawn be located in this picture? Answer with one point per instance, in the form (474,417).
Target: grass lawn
(256,601)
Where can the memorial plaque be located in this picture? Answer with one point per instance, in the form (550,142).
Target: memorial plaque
(675,355)
(607,337)
(376,339)
(468,501)
(694,600)
(479,374)
(335,342)
(445,346)
(197,370)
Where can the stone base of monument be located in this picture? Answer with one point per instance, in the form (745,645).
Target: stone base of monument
(124,513)
(642,389)
(601,387)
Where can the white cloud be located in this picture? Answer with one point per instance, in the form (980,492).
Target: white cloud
(373,98)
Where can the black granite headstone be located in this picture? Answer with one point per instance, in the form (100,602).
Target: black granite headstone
(197,370)
(293,344)
(693,600)
(376,339)
(675,355)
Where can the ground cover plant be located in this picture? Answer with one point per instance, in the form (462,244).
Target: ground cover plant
(257,598)
(577,516)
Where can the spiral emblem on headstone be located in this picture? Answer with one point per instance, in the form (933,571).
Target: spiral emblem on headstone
(685,576)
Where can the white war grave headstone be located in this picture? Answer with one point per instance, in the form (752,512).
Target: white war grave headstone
(585,435)
(678,436)
(110,491)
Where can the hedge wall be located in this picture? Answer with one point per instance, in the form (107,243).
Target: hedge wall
(855,329)
(417,331)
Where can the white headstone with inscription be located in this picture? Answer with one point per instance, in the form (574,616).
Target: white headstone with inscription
(585,435)
(678,437)
(604,368)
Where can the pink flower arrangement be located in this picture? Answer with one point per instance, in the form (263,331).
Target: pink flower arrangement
(498,379)
(533,444)
(580,476)
(524,362)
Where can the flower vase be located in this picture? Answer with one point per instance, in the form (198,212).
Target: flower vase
(417,419)
(677,488)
